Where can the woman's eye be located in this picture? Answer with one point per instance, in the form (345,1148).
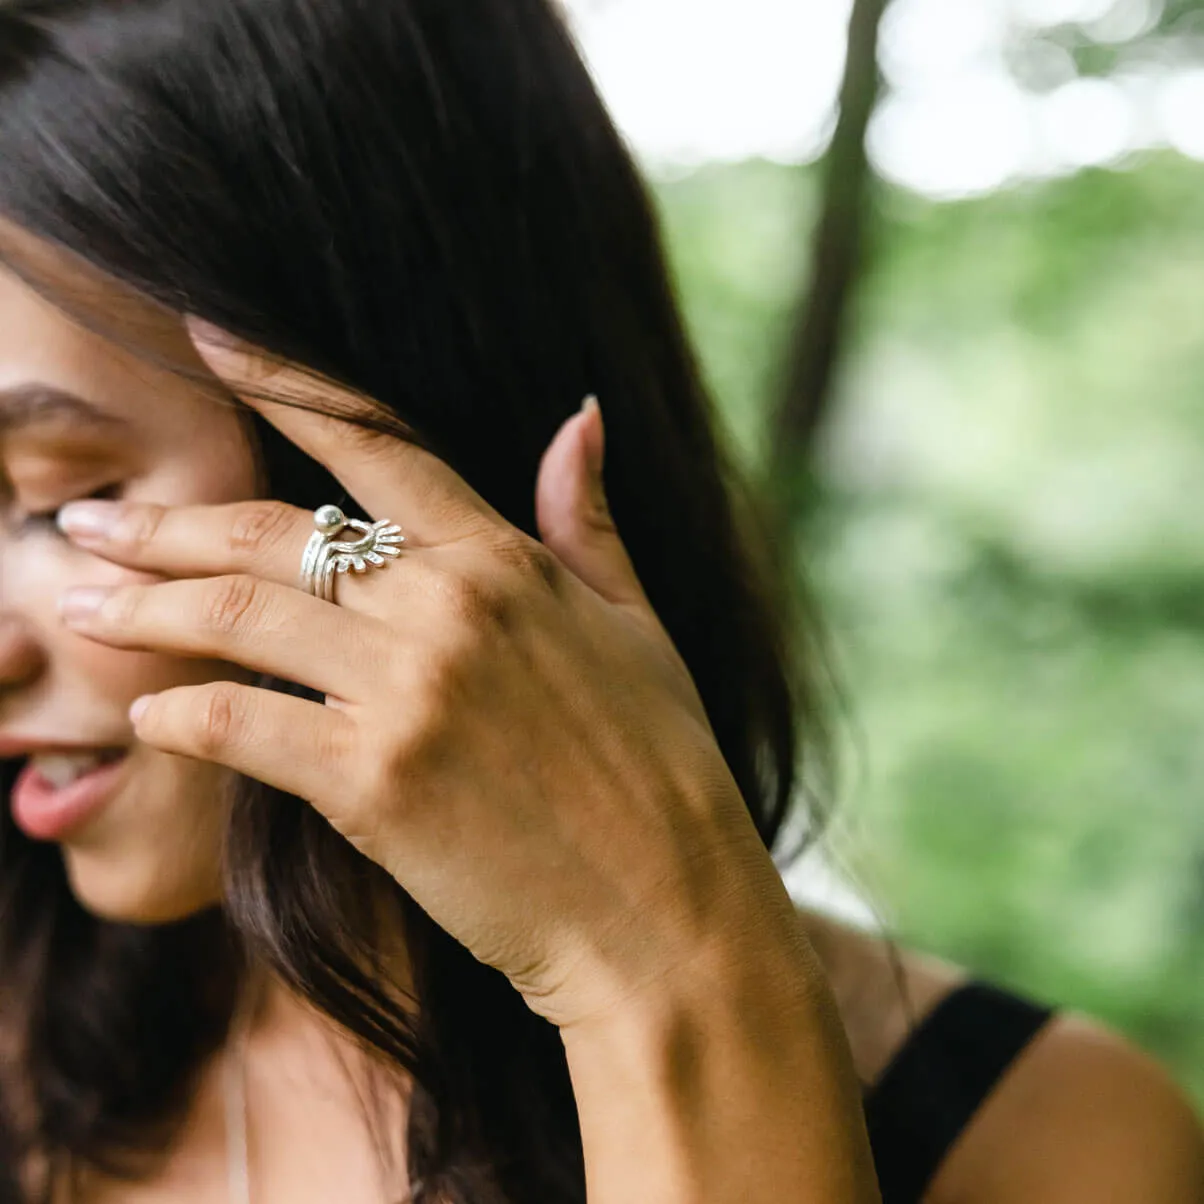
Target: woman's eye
(39,520)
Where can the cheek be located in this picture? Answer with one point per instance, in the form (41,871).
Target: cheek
(36,571)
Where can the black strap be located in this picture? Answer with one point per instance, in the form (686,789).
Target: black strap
(938,1080)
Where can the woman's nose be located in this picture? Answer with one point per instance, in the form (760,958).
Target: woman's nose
(21,655)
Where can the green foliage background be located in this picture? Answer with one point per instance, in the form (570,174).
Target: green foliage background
(1009,553)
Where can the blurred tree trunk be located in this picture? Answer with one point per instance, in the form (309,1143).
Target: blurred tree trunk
(818,333)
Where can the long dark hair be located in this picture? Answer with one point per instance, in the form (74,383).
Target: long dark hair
(427,202)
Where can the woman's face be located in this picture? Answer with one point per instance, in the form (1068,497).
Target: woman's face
(150,851)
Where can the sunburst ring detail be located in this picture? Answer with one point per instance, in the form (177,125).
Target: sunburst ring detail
(325,556)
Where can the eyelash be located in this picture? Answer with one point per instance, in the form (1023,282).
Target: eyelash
(40,519)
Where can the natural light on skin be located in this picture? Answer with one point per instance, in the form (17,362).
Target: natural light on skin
(79,416)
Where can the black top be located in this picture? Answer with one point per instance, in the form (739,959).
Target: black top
(938,1080)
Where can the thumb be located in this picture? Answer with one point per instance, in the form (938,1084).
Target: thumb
(572,512)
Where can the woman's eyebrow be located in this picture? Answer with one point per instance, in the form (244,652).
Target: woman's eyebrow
(34,402)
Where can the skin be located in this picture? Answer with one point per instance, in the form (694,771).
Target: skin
(60,685)
(637,764)
(620,798)
(1081,1117)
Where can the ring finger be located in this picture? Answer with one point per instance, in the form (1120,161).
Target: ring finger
(264,538)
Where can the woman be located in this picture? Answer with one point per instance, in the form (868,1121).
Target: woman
(445,879)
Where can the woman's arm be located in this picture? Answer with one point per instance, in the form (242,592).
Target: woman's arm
(729,1082)
(509,731)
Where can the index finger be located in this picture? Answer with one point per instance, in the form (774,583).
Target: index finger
(388,475)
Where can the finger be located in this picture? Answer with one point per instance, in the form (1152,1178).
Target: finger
(389,476)
(265,538)
(244,620)
(573,515)
(298,746)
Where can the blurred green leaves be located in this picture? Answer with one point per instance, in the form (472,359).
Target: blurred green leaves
(1010,554)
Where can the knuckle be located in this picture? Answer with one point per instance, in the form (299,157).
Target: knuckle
(339,745)
(402,676)
(232,604)
(437,694)
(123,608)
(600,523)
(377,781)
(532,562)
(382,778)
(218,719)
(335,744)
(138,527)
(481,601)
(412,755)
(259,527)
(448,680)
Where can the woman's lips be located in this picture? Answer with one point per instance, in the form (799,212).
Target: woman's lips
(46,812)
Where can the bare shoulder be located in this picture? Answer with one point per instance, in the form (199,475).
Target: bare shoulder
(1080,1116)
(882,991)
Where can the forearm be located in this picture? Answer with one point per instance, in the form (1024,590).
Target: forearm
(731,1084)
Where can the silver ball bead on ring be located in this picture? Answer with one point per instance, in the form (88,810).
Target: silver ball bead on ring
(329,520)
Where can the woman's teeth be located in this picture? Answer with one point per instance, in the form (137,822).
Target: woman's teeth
(61,769)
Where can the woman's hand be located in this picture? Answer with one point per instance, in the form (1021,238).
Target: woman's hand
(508,729)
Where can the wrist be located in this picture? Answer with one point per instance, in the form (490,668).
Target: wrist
(741,976)
(729,1079)
(723,912)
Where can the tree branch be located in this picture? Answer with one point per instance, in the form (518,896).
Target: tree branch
(837,252)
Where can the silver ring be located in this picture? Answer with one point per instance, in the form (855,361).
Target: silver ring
(325,556)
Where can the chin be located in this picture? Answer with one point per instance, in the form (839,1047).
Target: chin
(153,855)
(132,890)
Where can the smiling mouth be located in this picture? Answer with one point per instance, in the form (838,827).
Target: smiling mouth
(59,770)
(54,793)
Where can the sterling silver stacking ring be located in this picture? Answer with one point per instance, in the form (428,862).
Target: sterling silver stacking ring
(325,555)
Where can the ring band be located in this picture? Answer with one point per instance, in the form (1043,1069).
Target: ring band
(325,556)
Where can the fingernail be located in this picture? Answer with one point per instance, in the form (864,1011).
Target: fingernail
(80,604)
(138,707)
(205,332)
(595,449)
(90,519)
